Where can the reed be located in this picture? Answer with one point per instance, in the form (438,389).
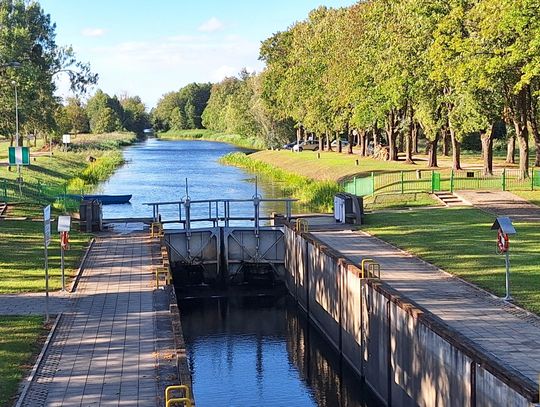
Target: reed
(316,195)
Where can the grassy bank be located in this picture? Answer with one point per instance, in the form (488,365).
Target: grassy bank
(19,340)
(316,195)
(210,135)
(460,241)
(21,262)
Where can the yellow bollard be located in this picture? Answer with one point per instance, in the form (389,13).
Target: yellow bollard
(186,400)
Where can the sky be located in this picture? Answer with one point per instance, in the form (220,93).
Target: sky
(148,48)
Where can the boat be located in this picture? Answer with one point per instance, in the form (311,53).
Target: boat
(104,199)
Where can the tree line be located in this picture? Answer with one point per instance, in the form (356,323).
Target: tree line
(393,72)
(408,68)
(30,61)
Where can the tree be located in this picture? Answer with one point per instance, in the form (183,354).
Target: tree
(76,116)
(135,119)
(103,113)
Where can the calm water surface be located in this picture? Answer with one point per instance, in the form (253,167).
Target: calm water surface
(156,171)
(261,351)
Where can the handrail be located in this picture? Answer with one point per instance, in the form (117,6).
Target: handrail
(171,400)
(372,268)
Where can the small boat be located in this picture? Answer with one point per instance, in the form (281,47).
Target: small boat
(104,199)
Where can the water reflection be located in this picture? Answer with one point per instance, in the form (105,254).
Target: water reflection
(259,351)
(155,171)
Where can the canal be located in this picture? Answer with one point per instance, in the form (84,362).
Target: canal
(242,350)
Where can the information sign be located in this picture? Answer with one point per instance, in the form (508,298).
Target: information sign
(19,156)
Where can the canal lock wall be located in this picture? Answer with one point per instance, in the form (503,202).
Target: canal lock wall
(408,356)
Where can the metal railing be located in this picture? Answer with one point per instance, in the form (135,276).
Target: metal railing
(217,212)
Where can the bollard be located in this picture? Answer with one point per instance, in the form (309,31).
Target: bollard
(318,155)
(357,162)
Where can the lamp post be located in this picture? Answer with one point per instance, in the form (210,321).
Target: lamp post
(16,115)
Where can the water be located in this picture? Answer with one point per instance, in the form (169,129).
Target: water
(156,171)
(261,351)
(242,351)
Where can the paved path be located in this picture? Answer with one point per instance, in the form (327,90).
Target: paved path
(34,303)
(104,349)
(502,203)
(508,333)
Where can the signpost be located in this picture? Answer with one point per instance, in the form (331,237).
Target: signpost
(504,227)
(64,224)
(66,139)
(47,241)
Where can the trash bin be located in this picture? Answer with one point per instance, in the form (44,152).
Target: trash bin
(339,207)
(91,216)
(354,209)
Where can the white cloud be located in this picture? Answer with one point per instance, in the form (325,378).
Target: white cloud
(151,68)
(211,25)
(93,32)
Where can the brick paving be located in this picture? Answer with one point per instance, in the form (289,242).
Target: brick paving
(502,203)
(507,332)
(104,349)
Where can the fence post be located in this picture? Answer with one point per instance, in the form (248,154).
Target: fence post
(402,186)
(4,187)
(532,179)
(504,179)
(452,181)
(372,183)
(432,181)
(354,180)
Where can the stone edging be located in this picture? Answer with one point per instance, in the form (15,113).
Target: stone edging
(30,378)
(80,270)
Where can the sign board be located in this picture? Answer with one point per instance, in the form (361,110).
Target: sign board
(47,225)
(66,138)
(19,156)
(64,223)
(505,224)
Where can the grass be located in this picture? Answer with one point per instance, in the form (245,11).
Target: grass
(315,195)
(531,196)
(22,260)
(211,135)
(460,241)
(19,341)
(389,201)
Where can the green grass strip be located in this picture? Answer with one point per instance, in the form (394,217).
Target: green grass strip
(316,195)
(18,342)
(459,240)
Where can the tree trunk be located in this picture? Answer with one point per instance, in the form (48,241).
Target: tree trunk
(446,142)
(511,150)
(375,135)
(339,148)
(520,124)
(432,151)
(321,145)
(351,141)
(415,138)
(456,151)
(328,146)
(392,137)
(409,139)
(298,135)
(362,137)
(486,136)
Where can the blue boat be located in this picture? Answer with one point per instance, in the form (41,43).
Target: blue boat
(104,199)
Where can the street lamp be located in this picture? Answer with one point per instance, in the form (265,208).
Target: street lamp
(16,114)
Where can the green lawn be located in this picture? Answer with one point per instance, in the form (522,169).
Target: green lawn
(210,135)
(22,259)
(460,241)
(531,196)
(19,341)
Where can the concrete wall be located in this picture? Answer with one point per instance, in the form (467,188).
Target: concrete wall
(406,355)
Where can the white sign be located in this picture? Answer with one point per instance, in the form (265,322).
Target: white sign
(66,138)
(47,225)
(64,223)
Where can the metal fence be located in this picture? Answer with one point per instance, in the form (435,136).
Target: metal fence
(433,181)
(35,192)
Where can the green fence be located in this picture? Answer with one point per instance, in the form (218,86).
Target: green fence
(34,192)
(433,181)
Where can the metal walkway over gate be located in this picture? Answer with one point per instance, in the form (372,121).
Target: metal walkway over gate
(223,240)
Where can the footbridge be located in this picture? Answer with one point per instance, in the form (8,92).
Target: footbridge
(224,241)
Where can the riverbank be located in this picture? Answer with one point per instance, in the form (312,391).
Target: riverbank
(211,135)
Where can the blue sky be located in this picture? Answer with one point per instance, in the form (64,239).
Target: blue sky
(148,48)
